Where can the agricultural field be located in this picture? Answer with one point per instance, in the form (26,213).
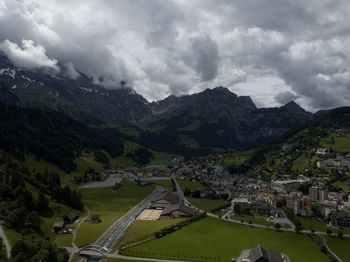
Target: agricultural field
(143,228)
(110,205)
(200,241)
(206,204)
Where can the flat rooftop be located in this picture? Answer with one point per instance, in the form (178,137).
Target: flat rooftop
(150,214)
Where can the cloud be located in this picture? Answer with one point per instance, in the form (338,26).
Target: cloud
(28,55)
(180,47)
(285,97)
(70,71)
(205,57)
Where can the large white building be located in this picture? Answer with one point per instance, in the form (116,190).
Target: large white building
(286,185)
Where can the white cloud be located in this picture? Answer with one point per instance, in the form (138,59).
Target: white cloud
(28,55)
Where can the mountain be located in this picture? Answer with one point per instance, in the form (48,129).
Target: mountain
(210,121)
(79,98)
(215,120)
(53,137)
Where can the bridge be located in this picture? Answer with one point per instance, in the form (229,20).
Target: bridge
(93,251)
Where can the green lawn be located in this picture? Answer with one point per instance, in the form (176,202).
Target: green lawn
(206,204)
(214,240)
(191,185)
(340,247)
(253,219)
(142,228)
(110,205)
(309,223)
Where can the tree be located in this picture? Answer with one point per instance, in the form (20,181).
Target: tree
(33,220)
(278,226)
(43,203)
(329,232)
(340,234)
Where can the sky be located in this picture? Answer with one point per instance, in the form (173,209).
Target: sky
(273,50)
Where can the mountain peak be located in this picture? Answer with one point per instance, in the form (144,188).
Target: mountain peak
(293,106)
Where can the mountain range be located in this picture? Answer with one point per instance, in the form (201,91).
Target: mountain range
(213,120)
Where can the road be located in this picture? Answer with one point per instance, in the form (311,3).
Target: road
(5,241)
(281,229)
(110,181)
(108,238)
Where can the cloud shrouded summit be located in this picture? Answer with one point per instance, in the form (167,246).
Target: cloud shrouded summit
(273,50)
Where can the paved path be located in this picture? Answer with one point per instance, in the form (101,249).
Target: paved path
(116,255)
(329,250)
(76,230)
(281,229)
(5,241)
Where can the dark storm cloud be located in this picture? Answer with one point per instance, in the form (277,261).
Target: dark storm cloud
(205,57)
(285,97)
(179,47)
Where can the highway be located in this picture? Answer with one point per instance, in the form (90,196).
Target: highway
(107,240)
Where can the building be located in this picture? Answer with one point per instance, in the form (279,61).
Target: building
(59,227)
(172,206)
(321,151)
(70,217)
(260,208)
(166,199)
(286,185)
(178,210)
(318,193)
(340,219)
(260,254)
(338,162)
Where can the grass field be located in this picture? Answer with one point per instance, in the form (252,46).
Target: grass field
(300,163)
(191,185)
(141,228)
(85,161)
(110,205)
(341,143)
(206,204)
(237,159)
(342,184)
(309,223)
(214,240)
(340,247)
